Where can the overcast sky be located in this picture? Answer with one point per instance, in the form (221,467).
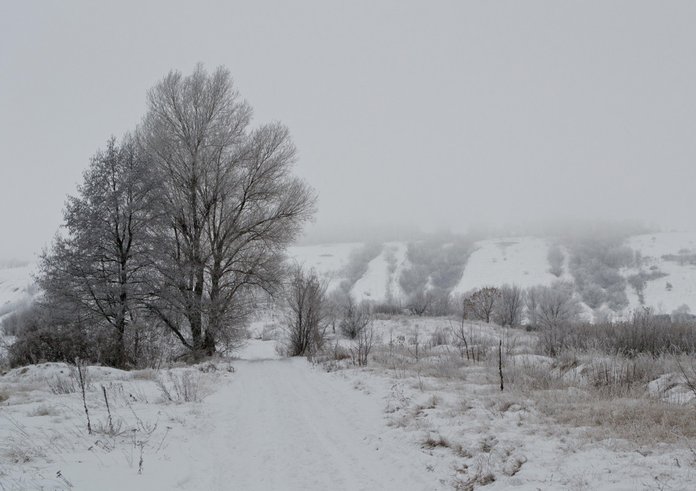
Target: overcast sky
(427,114)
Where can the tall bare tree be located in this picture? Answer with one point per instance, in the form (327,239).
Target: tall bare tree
(232,202)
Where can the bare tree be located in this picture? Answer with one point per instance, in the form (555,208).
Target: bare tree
(420,301)
(306,314)
(481,303)
(557,305)
(232,201)
(508,311)
(362,346)
(557,309)
(356,317)
(98,265)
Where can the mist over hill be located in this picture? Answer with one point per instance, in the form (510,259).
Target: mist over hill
(613,271)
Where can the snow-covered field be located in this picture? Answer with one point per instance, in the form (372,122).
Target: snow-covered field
(412,420)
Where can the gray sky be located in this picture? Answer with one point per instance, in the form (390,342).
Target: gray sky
(427,114)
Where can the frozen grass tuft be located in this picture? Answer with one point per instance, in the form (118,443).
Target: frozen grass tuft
(183,387)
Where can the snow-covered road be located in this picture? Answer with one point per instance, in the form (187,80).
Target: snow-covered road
(285,425)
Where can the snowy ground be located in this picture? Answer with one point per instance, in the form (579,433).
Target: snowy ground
(273,424)
(681,277)
(262,422)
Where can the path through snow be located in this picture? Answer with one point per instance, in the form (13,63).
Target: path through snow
(281,424)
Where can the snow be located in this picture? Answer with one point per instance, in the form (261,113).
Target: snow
(15,286)
(512,260)
(380,282)
(282,424)
(328,260)
(272,423)
(681,277)
(519,260)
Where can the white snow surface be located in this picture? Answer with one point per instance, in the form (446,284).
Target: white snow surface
(328,260)
(272,424)
(15,283)
(512,260)
(269,423)
(381,280)
(682,277)
(519,260)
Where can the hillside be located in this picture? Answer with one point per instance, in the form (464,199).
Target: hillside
(667,263)
(16,286)
(665,267)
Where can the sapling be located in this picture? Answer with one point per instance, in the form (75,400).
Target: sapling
(82,378)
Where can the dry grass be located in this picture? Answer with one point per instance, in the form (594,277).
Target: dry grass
(606,394)
(184,387)
(641,420)
(431,442)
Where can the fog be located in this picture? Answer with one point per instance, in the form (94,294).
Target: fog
(407,115)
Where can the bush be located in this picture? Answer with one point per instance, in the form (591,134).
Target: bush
(39,342)
(46,335)
(355,318)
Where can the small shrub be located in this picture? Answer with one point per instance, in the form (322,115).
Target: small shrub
(63,385)
(435,441)
(184,387)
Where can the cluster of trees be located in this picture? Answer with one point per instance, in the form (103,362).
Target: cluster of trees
(436,266)
(595,264)
(543,307)
(173,231)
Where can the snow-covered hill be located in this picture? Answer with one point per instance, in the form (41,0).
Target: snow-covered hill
(667,259)
(16,286)
(674,255)
(519,260)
